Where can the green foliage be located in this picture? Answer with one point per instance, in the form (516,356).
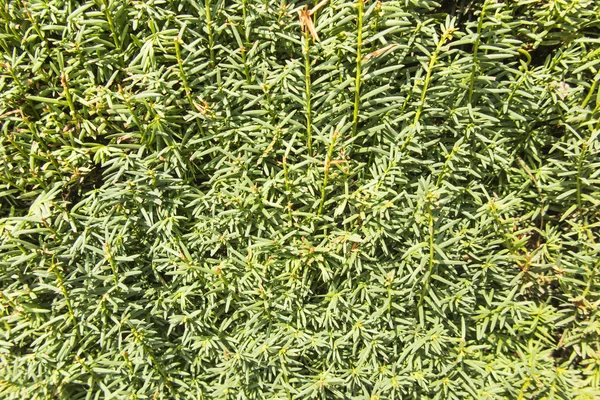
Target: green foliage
(203,200)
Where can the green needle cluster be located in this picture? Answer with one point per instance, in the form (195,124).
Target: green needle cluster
(271,199)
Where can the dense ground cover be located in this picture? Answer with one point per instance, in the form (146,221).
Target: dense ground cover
(272,199)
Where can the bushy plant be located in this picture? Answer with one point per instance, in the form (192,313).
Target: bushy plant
(250,199)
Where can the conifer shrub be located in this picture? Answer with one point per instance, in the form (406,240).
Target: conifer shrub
(244,199)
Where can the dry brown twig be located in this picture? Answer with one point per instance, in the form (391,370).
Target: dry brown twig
(306,21)
(379,52)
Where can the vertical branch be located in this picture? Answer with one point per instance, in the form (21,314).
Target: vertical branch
(308,28)
(475,50)
(246,39)
(33,21)
(7,19)
(63,289)
(591,92)
(127,100)
(431,262)
(591,280)
(445,36)
(154,361)
(64,84)
(334,137)
(74,115)
(288,189)
(182,76)
(582,156)
(210,31)
(113,32)
(11,71)
(184,81)
(539,191)
(38,138)
(211,39)
(111,25)
(113,266)
(361,6)
(445,167)
(307,86)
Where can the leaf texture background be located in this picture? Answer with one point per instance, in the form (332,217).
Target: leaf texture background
(199,200)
